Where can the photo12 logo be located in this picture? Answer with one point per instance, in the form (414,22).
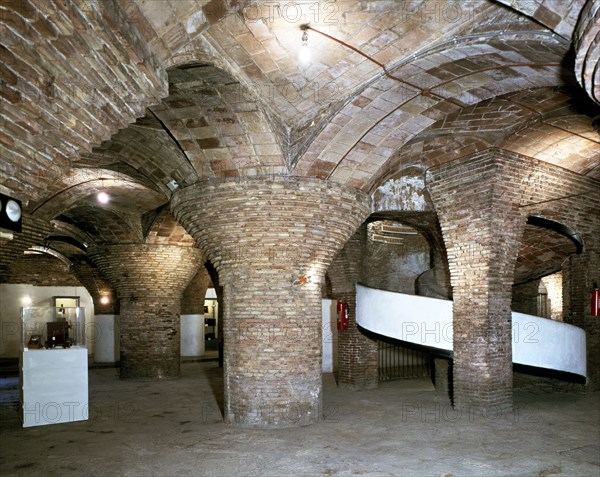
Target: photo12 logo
(297,12)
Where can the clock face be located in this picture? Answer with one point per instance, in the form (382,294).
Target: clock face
(13,211)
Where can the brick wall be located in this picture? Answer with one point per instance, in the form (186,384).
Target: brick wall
(192,301)
(85,98)
(150,280)
(481,222)
(40,270)
(357,353)
(482,230)
(261,235)
(98,287)
(553,284)
(524,297)
(395,255)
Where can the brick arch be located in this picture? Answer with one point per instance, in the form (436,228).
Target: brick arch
(162,229)
(587,49)
(542,253)
(51,74)
(105,225)
(560,17)
(146,152)
(386,115)
(221,128)
(550,124)
(426,152)
(83,185)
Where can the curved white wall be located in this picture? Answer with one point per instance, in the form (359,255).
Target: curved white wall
(427,321)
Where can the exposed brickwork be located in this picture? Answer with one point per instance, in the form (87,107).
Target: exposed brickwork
(261,235)
(482,242)
(584,271)
(542,252)
(443,377)
(97,286)
(395,255)
(40,270)
(82,69)
(524,298)
(357,353)
(553,284)
(192,301)
(34,233)
(529,187)
(150,280)
(587,48)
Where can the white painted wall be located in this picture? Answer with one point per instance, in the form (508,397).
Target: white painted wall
(536,341)
(107,338)
(330,338)
(12,299)
(192,335)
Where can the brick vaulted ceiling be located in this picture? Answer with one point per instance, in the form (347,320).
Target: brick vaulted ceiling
(130,95)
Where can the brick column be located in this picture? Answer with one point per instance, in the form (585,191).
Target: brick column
(149,280)
(442,379)
(477,205)
(357,353)
(261,235)
(582,272)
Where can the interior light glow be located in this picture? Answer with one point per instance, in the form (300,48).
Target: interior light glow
(304,55)
(103,197)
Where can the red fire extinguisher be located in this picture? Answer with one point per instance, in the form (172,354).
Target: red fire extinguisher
(342,318)
(595,301)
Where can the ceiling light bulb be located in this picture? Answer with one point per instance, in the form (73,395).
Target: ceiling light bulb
(304,55)
(103,197)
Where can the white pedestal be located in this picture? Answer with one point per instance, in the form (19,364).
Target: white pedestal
(192,335)
(330,343)
(54,386)
(106,342)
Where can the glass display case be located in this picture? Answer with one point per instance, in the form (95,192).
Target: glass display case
(52,328)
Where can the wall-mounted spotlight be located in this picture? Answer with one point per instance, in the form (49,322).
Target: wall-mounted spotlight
(11,215)
(104,300)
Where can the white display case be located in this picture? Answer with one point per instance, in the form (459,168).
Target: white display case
(53,367)
(49,327)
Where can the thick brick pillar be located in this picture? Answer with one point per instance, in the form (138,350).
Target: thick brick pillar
(149,280)
(442,377)
(582,272)
(357,353)
(261,235)
(477,205)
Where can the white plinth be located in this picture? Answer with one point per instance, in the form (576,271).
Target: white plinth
(54,386)
(106,342)
(192,335)
(330,343)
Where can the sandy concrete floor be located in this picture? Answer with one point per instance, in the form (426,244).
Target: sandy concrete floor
(404,428)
